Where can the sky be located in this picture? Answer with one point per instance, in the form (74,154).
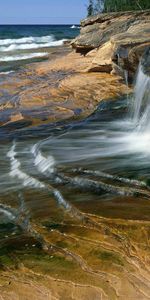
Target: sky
(42,11)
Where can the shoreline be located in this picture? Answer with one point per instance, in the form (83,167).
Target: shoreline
(72,232)
(57,89)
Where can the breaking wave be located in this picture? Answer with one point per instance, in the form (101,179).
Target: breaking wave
(27,40)
(6,73)
(29,43)
(17,47)
(23,57)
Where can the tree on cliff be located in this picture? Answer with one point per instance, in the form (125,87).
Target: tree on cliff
(99,6)
(94,7)
(90,8)
(125,5)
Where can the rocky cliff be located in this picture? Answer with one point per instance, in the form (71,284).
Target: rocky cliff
(68,85)
(115,40)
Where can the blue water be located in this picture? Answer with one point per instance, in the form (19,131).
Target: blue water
(21,44)
(19,31)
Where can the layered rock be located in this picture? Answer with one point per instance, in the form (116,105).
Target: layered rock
(57,90)
(71,85)
(119,39)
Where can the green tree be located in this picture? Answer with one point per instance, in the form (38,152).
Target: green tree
(90,8)
(125,5)
(99,6)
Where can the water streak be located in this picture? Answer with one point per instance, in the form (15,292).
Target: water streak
(43,164)
(142,97)
(16,171)
(6,211)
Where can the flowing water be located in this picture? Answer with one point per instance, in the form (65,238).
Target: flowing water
(114,140)
(58,173)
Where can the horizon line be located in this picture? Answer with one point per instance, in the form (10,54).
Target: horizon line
(29,24)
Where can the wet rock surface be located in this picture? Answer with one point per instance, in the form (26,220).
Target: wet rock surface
(103,255)
(55,90)
(86,234)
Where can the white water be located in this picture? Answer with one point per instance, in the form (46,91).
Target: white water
(27,40)
(61,200)
(139,139)
(74,27)
(125,142)
(7,213)
(16,171)
(107,147)
(28,46)
(21,48)
(44,164)
(6,73)
(142,97)
(23,57)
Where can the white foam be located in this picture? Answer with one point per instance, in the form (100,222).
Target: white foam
(61,200)
(46,166)
(75,27)
(6,73)
(27,40)
(16,171)
(141,87)
(23,57)
(136,142)
(7,213)
(28,46)
(43,164)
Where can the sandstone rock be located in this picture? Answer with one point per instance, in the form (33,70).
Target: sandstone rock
(130,46)
(101,18)
(119,41)
(97,30)
(102,61)
(58,90)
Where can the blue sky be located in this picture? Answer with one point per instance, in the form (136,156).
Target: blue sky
(42,11)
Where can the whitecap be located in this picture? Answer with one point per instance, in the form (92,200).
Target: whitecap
(27,40)
(23,56)
(6,73)
(75,27)
(15,47)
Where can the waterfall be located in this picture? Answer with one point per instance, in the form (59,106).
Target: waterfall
(142,101)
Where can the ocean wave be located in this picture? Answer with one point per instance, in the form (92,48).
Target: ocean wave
(23,56)
(75,27)
(14,47)
(6,73)
(27,40)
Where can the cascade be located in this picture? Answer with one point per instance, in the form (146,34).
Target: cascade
(141,106)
